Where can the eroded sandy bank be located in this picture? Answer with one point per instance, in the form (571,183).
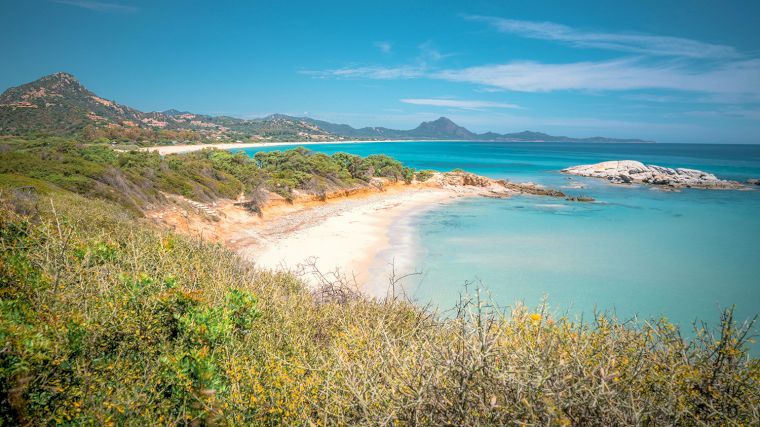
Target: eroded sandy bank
(342,234)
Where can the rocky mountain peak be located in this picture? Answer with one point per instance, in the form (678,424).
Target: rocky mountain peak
(443,128)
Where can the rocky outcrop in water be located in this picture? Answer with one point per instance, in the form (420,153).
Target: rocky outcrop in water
(465,182)
(633,172)
(753,181)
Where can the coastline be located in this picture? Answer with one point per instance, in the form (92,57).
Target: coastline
(187,148)
(400,257)
(349,241)
(344,235)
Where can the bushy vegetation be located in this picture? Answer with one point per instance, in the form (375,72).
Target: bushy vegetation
(136,179)
(302,169)
(424,175)
(105,320)
(144,136)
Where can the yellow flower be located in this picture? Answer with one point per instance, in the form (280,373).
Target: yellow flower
(535,317)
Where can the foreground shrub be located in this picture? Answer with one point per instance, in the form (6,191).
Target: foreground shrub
(105,320)
(424,175)
(139,179)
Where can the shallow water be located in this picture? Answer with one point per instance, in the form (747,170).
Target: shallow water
(636,251)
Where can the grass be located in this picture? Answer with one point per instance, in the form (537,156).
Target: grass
(137,179)
(106,320)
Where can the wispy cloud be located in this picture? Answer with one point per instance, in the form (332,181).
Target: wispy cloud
(648,97)
(733,77)
(457,103)
(430,53)
(624,42)
(734,112)
(667,69)
(417,67)
(384,47)
(375,73)
(741,77)
(99,6)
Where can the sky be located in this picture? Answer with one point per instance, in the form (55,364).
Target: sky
(669,71)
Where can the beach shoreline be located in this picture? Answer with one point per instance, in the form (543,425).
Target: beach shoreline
(186,148)
(398,266)
(340,238)
(346,242)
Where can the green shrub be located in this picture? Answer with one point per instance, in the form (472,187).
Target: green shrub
(106,320)
(136,179)
(242,309)
(424,175)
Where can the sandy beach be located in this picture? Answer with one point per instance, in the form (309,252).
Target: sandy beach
(342,236)
(341,240)
(348,235)
(186,148)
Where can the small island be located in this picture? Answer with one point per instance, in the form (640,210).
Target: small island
(634,172)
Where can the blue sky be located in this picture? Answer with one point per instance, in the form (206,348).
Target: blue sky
(671,71)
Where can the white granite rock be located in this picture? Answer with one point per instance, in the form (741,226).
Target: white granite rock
(631,171)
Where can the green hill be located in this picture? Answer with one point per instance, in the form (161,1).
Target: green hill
(59,105)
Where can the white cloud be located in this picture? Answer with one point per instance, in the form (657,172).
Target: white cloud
(457,103)
(428,56)
(730,78)
(98,5)
(736,113)
(375,73)
(648,97)
(429,53)
(384,47)
(710,71)
(623,42)
(740,77)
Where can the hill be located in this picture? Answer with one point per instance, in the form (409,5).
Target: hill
(59,104)
(445,129)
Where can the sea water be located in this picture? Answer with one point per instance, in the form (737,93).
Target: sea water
(636,251)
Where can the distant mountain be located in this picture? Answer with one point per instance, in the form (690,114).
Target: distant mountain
(529,136)
(444,129)
(59,104)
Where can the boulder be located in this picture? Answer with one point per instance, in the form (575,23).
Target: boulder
(633,172)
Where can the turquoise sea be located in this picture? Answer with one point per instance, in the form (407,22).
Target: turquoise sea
(635,252)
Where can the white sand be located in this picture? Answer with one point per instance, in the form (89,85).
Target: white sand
(360,236)
(175,149)
(350,237)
